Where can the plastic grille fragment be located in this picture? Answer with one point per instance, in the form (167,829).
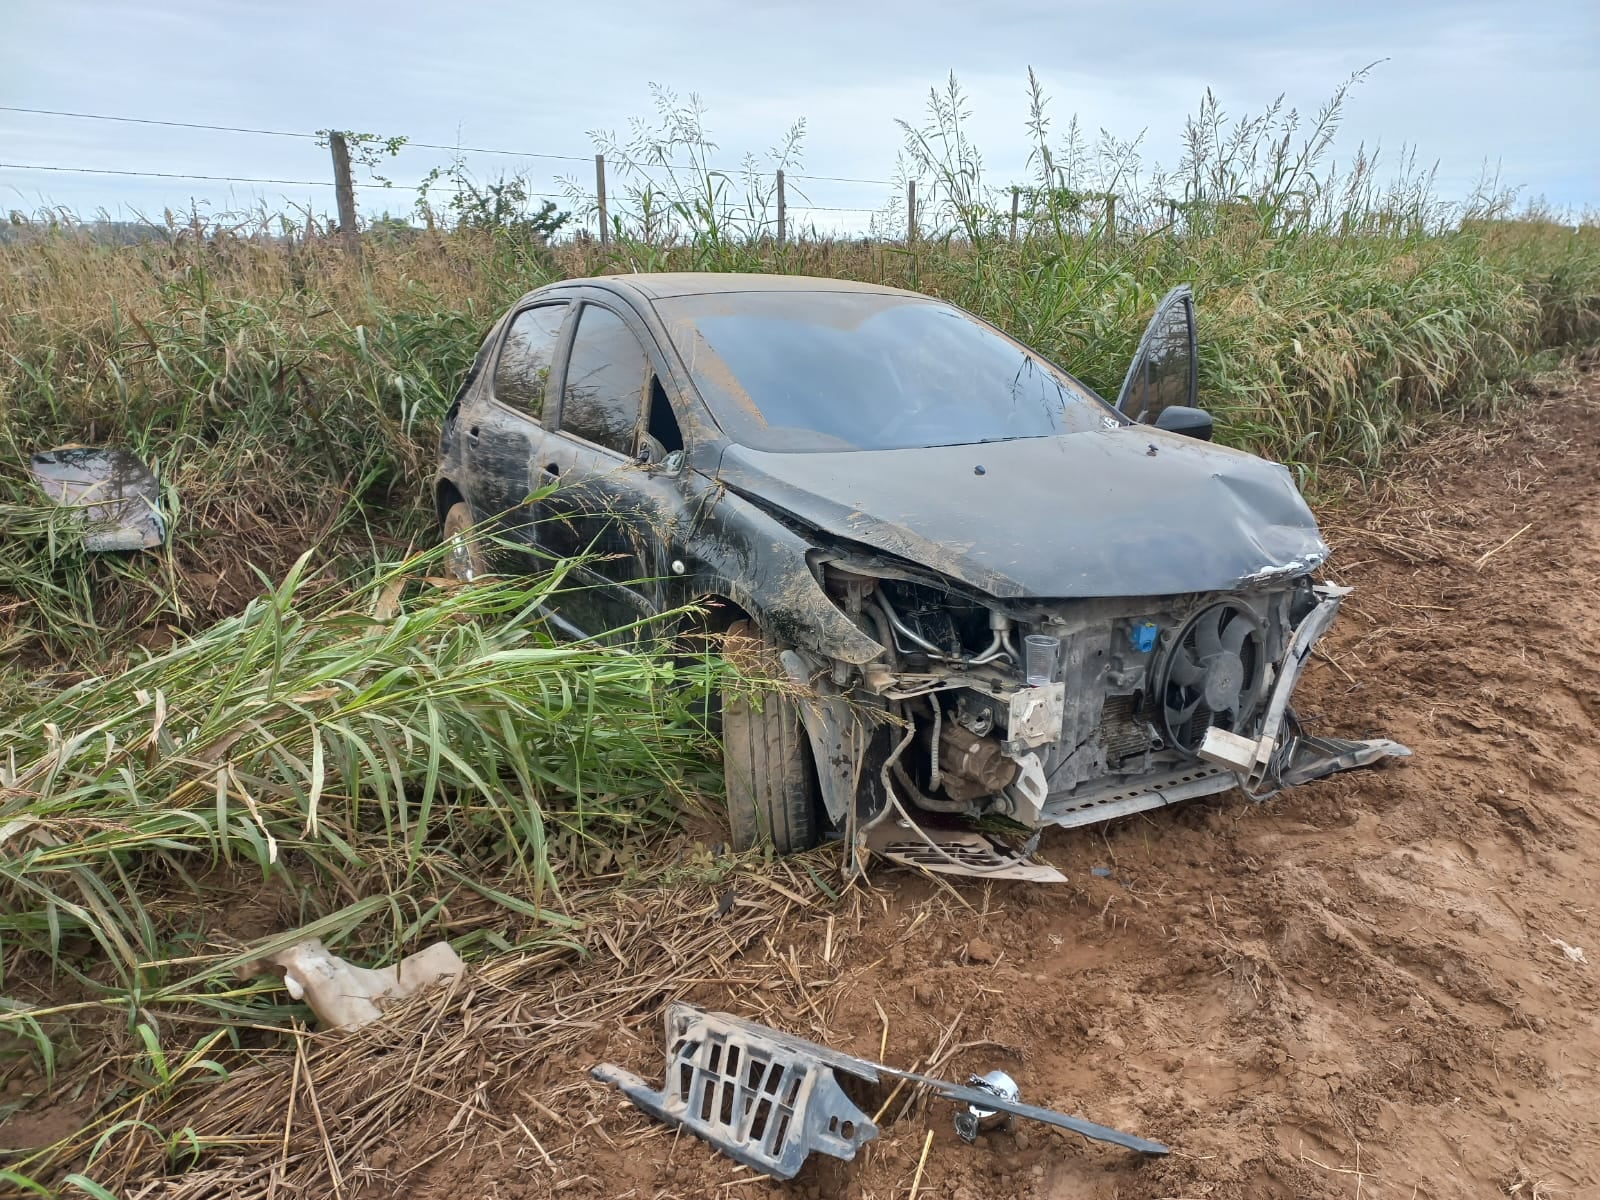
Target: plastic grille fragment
(765,1099)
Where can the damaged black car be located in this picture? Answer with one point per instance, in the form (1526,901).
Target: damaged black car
(1008,602)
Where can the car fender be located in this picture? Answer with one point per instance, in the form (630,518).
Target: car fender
(838,737)
(759,563)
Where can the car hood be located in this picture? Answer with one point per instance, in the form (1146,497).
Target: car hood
(1130,511)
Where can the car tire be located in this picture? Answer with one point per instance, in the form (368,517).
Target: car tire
(465,559)
(773,794)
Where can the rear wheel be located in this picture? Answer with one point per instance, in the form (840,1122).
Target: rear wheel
(773,793)
(465,559)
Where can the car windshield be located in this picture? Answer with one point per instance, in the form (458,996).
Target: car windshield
(786,370)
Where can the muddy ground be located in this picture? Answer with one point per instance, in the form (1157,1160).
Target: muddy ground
(1382,985)
(1376,986)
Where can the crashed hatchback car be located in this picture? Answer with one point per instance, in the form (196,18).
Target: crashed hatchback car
(1003,596)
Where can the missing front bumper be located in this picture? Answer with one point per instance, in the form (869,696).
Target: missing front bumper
(1062,724)
(1282,755)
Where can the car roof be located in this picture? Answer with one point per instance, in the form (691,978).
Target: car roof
(666,284)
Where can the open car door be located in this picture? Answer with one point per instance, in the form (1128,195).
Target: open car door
(1165,371)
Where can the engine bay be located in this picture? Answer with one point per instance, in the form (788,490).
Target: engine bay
(1067,712)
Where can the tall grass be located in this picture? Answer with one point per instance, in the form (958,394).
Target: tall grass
(376,763)
(292,400)
(441,754)
(280,418)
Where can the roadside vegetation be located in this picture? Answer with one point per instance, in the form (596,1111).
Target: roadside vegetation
(285,703)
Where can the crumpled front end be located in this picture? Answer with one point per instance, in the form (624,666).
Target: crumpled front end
(1063,713)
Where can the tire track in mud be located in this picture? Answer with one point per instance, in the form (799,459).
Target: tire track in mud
(1362,987)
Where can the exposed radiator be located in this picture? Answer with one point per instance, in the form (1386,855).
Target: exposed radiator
(1123,735)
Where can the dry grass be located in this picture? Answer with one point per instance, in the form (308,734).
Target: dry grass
(315,1114)
(291,401)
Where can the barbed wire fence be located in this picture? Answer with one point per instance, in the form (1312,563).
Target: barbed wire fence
(776,203)
(788,206)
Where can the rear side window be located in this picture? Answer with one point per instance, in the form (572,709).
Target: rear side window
(606,374)
(521,375)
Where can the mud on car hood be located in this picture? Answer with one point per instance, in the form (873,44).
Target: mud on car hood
(1131,511)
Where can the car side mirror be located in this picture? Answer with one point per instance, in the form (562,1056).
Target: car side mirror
(653,457)
(1191,422)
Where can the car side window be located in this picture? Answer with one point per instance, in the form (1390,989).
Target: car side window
(523,370)
(606,374)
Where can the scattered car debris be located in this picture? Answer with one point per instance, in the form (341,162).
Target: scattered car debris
(988,1098)
(1573,953)
(119,495)
(345,996)
(768,1099)
(975,1118)
(764,1098)
(957,852)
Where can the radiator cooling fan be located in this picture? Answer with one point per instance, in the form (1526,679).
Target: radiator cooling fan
(1214,674)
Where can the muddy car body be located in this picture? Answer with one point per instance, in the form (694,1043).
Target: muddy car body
(1005,596)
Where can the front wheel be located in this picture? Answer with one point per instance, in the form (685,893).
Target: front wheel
(773,794)
(465,560)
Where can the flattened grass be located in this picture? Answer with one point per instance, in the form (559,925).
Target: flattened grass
(437,757)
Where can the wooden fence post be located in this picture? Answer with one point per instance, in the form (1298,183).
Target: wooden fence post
(1111,217)
(1014,192)
(600,198)
(345,194)
(782,215)
(911,211)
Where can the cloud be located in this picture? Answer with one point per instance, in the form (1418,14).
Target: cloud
(1464,83)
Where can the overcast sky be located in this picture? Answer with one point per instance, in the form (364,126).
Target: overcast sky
(1510,84)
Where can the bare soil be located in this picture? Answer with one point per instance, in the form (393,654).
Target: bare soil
(1362,988)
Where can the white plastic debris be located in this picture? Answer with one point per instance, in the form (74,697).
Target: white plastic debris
(1231,751)
(1573,953)
(976,1118)
(345,996)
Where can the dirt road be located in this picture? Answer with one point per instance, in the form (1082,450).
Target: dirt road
(1383,985)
